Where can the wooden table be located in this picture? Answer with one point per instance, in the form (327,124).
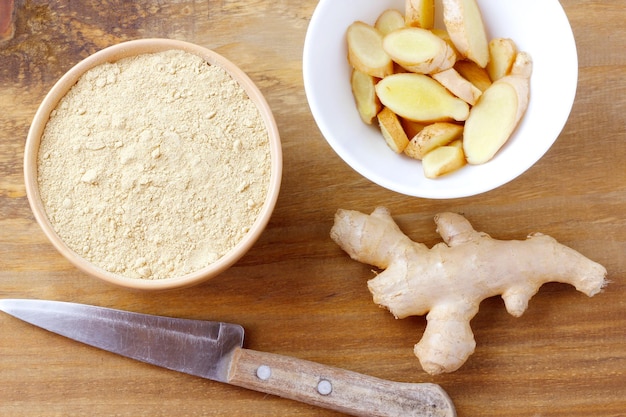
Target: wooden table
(296,292)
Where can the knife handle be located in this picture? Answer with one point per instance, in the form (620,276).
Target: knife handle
(336,389)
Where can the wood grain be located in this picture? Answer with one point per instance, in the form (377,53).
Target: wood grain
(296,292)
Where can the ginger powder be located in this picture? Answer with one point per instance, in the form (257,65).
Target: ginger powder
(154,166)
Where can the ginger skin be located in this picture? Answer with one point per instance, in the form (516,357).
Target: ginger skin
(448,281)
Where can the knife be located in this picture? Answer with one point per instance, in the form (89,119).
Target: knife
(214,350)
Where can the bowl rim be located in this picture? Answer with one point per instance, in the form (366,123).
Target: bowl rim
(115,53)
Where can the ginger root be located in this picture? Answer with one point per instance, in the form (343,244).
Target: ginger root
(448,281)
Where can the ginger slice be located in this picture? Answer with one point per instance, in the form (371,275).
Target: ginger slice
(442,160)
(431,137)
(522,66)
(364,92)
(491,122)
(389,20)
(493,119)
(473,73)
(463,21)
(392,131)
(420,98)
(419,50)
(458,143)
(502,53)
(448,281)
(411,127)
(458,85)
(443,34)
(419,13)
(365,51)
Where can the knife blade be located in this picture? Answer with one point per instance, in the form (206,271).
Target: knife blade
(214,350)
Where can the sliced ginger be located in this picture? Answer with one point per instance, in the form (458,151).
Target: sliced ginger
(458,85)
(432,136)
(448,281)
(443,34)
(416,78)
(392,130)
(364,91)
(464,23)
(389,20)
(420,98)
(502,53)
(496,115)
(491,122)
(478,76)
(419,50)
(443,160)
(457,143)
(522,66)
(365,50)
(411,127)
(420,13)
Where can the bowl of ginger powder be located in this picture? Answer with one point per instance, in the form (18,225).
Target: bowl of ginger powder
(153,164)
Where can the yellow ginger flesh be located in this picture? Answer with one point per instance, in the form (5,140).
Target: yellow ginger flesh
(448,281)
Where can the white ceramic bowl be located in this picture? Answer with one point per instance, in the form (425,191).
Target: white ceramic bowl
(114,53)
(539,27)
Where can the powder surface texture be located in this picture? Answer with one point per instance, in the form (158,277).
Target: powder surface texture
(154,166)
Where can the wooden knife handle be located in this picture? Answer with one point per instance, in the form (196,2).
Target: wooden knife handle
(336,389)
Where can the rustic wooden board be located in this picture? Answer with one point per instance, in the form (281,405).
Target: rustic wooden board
(296,292)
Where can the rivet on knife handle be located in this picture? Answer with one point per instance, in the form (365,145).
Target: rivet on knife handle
(336,389)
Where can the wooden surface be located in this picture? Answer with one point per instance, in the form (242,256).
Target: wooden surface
(296,292)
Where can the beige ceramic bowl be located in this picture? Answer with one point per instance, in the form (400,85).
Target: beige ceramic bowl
(115,53)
